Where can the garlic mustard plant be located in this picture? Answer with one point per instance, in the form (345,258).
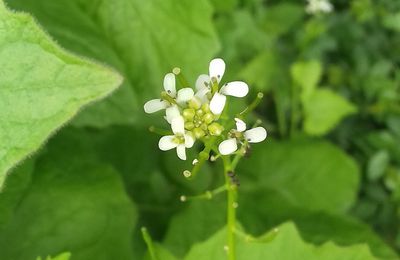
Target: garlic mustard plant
(201,116)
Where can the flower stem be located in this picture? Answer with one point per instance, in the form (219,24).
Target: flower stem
(231,210)
(149,243)
(181,79)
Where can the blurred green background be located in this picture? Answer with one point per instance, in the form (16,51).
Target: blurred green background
(331,163)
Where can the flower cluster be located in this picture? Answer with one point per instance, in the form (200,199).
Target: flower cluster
(196,115)
(318,6)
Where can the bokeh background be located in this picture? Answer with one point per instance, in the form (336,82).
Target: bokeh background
(331,163)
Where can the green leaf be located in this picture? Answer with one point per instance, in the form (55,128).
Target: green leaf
(311,174)
(143,40)
(194,224)
(161,253)
(257,213)
(323,110)
(281,18)
(306,74)
(263,71)
(41,87)
(377,165)
(392,21)
(63,256)
(287,244)
(74,203)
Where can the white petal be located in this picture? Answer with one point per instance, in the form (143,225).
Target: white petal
(217,69)
(181,151)
(189,141)
(228,146)
(155,105)
(178,125)
(235,88)
(202,94)
(166,143)
(203,81)
(240,125)
(217,103)
(256,135)
(172,112)
(184,95)
(169,84)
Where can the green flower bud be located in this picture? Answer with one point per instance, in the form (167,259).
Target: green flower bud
(205,107)
(188,114)
(204,126)
(200,112)
(198,133)
(189,125)
(208,118)
(194,103)
(215,129)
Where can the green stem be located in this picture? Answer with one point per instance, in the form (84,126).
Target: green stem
(149,243)
(252,106)
(231,210)
(181,79)
(206,195)
(294,110)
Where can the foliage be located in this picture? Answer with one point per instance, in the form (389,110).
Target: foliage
(83,177)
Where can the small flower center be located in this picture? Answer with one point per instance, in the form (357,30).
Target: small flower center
(200,121)
(179,139)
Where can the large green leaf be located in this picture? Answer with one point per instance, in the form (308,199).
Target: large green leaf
(194,224)
(310,174)
(142,39)
(201,219)
(74,203)
(41,87)
(306,74)
(323,110)
(287,244)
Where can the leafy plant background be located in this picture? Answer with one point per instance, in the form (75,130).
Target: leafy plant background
(328,177)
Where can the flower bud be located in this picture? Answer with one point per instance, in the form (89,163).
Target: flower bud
(188,114)
(208,118)
(215,129)
(194,103)
(205,107)
(198,133)
(189,125)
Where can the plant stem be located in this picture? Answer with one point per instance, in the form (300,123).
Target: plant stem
(294,110)
(231,210)
(149,243)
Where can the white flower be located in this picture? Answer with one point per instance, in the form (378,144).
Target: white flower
(254,135)
(234,88)
(180,140)
(318,6)
(183,95)
(204,82)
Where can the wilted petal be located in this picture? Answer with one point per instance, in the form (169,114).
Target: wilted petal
(256,135)
(203,81)
(181,151)
(155,105)
(217,69)
(235,88)
(228,146)
(240,125)
(184,95)
(172,112)
(166,143)
(189,141)
(169,84)
(217,103)
(178,125)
